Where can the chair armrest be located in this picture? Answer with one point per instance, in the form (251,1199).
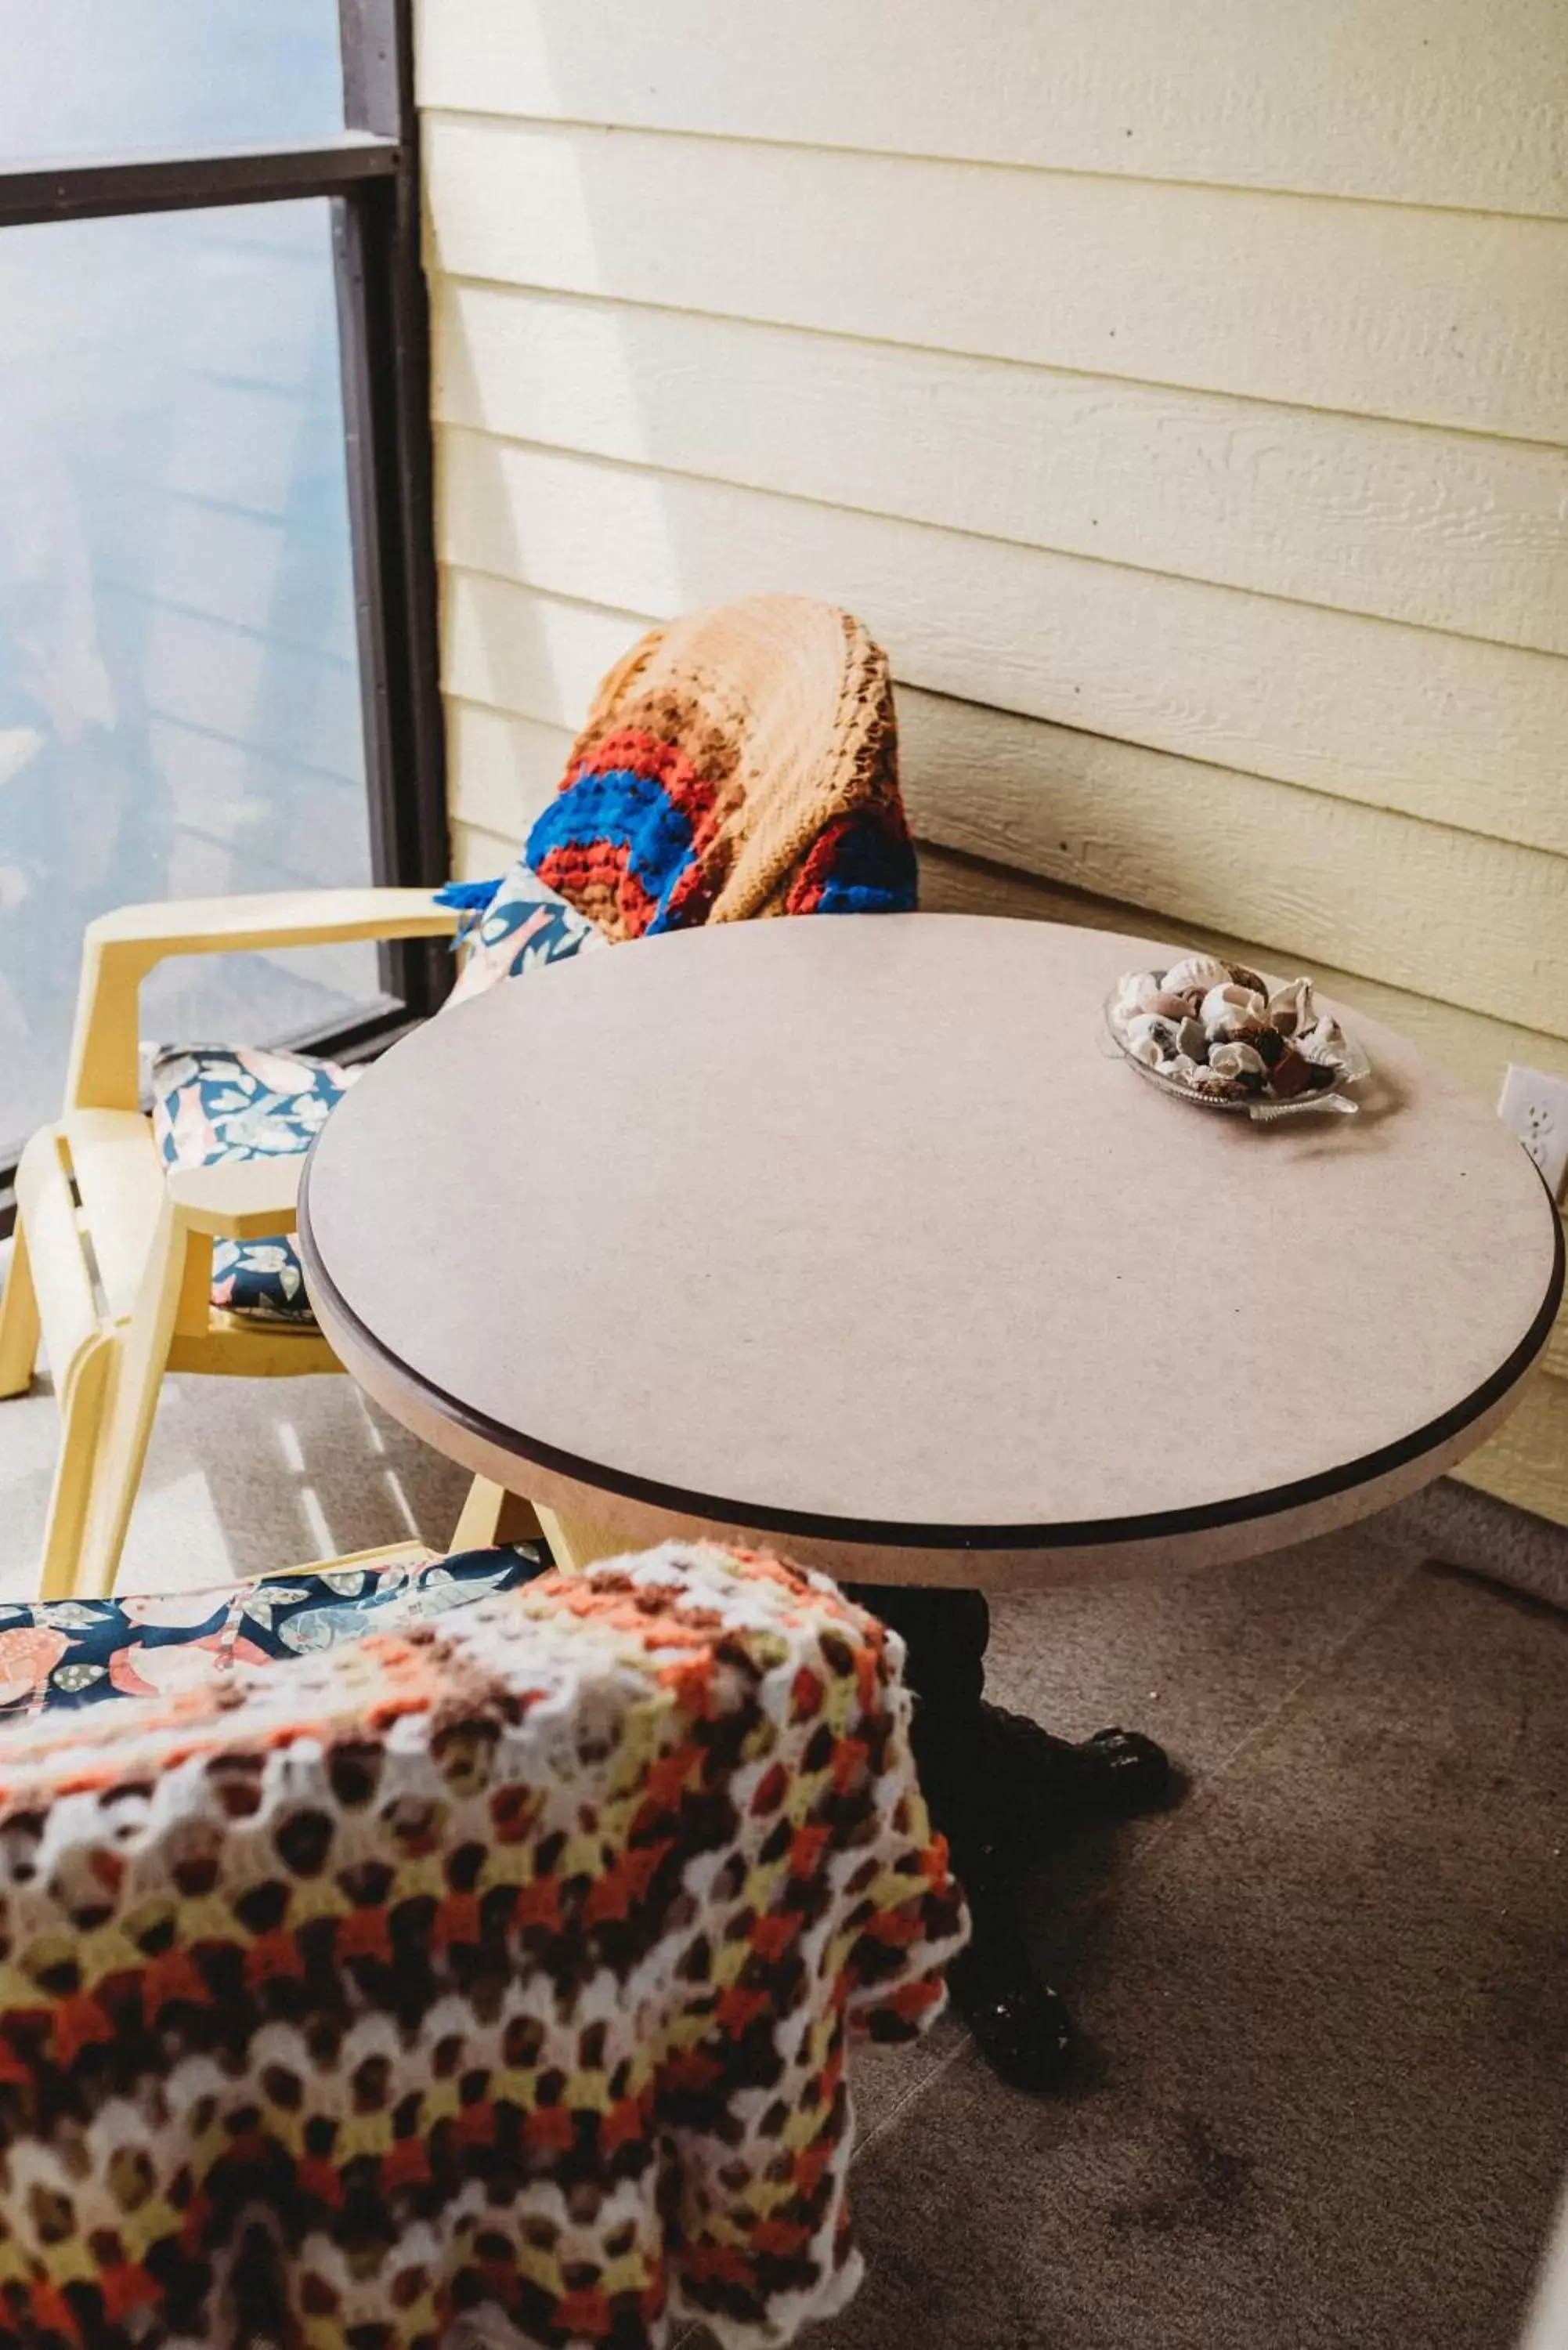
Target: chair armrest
(120,949)
(239,1198)
(282,917)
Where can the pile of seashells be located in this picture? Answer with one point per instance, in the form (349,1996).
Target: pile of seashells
(1214,1028)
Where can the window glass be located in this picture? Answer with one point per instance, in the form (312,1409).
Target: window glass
(83,78)
(179,689)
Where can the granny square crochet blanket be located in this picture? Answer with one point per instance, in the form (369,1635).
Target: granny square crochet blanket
(485,1980)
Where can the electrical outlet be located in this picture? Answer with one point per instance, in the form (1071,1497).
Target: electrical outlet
(1535,1108)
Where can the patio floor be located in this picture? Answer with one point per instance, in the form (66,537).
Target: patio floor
(1327,1994)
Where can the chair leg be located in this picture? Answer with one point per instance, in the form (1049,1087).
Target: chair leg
(142,1356)
(491,1514)
(18,1320)
(70,1497)
(579,1543)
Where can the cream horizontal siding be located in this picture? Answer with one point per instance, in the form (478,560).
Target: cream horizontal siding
(1443,727)
(1323,880)
(1420,101)
(1456,318)
(539,657)
(509,766)
(478,855)
(1402,522)
(1183,398)
(519,669)
(1473,1047)
(1524,1464)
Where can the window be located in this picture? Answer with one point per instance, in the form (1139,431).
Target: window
(217,666)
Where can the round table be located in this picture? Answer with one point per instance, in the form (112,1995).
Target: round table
(859,1237)
(860,1240)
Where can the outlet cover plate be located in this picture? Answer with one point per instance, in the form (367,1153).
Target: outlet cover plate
(1536,1107)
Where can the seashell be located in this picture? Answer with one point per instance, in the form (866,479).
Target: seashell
(1220,1030)
(1324,1043)
(1242,977)
(1151,1039)
(1291,1075)
(1135,991)
(1235,1060)
(1229,1006)
(1291,1009)
(1196,973)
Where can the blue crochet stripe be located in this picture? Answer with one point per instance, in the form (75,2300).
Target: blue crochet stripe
(874,871)
(625,810)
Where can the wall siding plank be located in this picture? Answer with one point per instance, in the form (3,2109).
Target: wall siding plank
(1232,852)
(536,656)
(1441,727)
(540,668)
(510,765)
(1415,100)
(478,855)
(1475,1048)
(1445,318)
(1442,529)
(1320,879)
(1524,1462)
(504,768)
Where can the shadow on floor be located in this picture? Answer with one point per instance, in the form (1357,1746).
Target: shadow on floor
(243,1476)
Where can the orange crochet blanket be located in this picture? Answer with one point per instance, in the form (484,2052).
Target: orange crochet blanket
(738,761)
(501,1971)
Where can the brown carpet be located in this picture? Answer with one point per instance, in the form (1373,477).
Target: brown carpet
(1328,1995)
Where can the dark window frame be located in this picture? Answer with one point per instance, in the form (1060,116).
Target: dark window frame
(370,174)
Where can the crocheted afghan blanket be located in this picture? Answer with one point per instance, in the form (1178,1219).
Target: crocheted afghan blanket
(488,1982)
(742,761)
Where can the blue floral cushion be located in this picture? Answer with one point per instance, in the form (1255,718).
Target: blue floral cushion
(525,925)
(69,1653)
(217,1102)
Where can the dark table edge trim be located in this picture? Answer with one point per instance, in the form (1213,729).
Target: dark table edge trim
(895,1533)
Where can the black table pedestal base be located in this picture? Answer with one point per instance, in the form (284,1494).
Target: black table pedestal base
(1001,1788)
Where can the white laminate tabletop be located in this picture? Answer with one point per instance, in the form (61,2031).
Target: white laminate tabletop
(856,1231)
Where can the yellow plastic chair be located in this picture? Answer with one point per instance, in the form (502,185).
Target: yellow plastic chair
(113,1262)
(783,704)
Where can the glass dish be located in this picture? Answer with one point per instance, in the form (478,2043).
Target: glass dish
(1331,1099)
